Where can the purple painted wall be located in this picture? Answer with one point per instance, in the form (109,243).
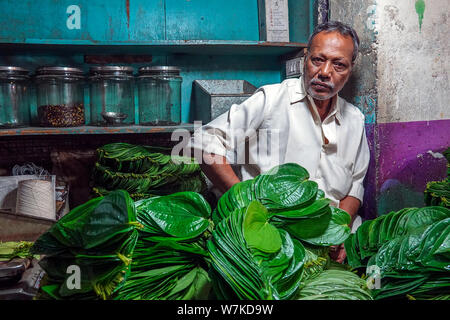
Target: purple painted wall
(404,157)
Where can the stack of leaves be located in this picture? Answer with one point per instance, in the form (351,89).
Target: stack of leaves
(156,251)
(294,203)
(437,193)
(12,249)
(252,259)
(408,249)
(93,242)
(262,228)
(144,171)
(170,259)
(335,284)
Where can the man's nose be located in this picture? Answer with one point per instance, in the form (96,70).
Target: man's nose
(325,70)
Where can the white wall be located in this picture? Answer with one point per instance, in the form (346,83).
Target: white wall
(413,63)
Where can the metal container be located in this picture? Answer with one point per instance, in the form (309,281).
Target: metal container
(215,97)
(60,96)
(112,95)
(14,97)
(159,94)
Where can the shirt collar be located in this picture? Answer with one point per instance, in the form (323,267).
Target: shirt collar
(299,93)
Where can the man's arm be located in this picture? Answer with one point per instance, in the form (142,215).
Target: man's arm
(219,171)
(351,205)
(225,134)
(352,202)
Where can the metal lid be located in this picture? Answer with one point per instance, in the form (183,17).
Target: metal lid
(13,69)
(59,70)
(109,69)
(155,70)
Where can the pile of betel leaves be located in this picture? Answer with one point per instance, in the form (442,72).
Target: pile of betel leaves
(408,251)
(144,171)
(268,238)
(437,193)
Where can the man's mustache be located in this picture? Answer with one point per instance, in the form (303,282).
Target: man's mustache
(328,85)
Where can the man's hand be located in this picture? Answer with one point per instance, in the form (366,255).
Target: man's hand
(337,253)
(351,206)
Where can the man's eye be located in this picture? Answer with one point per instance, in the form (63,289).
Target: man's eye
(339,66)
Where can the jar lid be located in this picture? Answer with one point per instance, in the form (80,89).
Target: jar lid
(110,69)
(157,70)
(59,70)
(12,69)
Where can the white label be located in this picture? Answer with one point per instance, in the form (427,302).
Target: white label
(74,19)
(294,67)
(277,20)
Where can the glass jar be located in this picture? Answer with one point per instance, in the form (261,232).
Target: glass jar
(112,95)
(60,96)
(14,97)
(159,92)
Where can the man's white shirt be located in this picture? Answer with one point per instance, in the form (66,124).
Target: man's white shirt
(279,124)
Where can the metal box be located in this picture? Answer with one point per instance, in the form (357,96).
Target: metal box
(215,97)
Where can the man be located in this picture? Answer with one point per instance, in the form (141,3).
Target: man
(303,120)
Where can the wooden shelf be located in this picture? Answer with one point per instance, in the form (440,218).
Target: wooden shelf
(27,131)
(157,47)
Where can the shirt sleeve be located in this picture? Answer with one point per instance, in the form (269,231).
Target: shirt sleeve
(360,168)
(231,128)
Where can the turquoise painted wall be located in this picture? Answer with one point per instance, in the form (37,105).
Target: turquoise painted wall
(97,21)
(149,27)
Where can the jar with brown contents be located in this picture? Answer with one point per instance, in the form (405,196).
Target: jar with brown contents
(60,96)
(61,115)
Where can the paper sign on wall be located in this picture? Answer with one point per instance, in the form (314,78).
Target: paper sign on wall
(274,17)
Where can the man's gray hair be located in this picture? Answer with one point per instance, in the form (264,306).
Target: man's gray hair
(340,27)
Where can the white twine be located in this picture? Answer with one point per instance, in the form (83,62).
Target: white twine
(35,198)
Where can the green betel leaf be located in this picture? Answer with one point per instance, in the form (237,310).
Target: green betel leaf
(420,219)
(68,230)
(309,228)
(435,246)
(93,223)
(111,217)
(182,214)
(335,285)
(285,186)
(337,231)
(316,209)
(258,232)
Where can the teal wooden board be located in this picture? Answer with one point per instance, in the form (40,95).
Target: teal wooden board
(159,47)
(94,22)
(302,19)
(31,21)
(36,131)
(214,20)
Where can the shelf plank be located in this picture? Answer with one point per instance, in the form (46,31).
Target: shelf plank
(157,47)
(27,131)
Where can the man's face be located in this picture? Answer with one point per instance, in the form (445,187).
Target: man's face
(328,64)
